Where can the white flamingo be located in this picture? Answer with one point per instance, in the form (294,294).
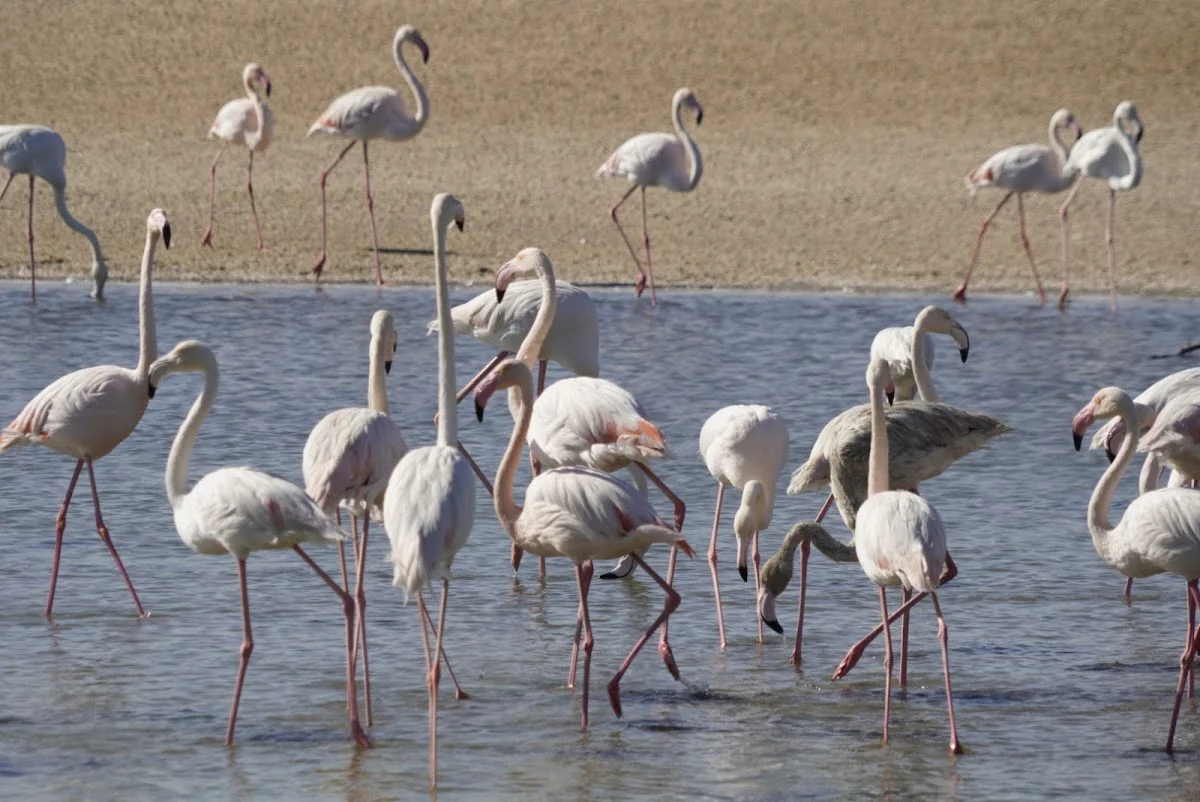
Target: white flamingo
(373,112)
(580,514)
(430,503)
(1017,170)
(901,346)
(900,541)
(88,413)
(242,121)
(656,160)
(1159,531)
(242,510)
(1175,435)
(1111,155)
(744,446)
(39,152)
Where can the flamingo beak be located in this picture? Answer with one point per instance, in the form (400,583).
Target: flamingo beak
(699,114)
(424,48)
(504,277)
(459,224)
(266,84)
(151,390)
(766,610)
(1080,425)
(166,235)
(1078,129)
(890,393)
(387,367)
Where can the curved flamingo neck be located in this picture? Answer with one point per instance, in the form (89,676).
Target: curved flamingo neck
(447,408)
(1056,143)
(148,348)
(1099,525)
(99,268)
(253,138)
(689,144)
(506,506)
(422,100)
(920,357)
(877,463)
(1134,176)
(377,397)
(181,449)
(826,543)
(1151,473)
(531,346)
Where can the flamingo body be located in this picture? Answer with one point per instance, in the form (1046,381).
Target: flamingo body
(237,124)
(369,112)
(650,160)
(900,541)
(592,422)
(349,456)
(743,443)
(1149,403)
(1175,435)
(895,346)
(1020,168)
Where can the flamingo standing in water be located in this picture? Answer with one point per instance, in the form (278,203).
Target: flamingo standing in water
(39,152)
(241,510)
(1111,155)
(656,160)
(242,121)
(744,446)
(1159,532)
(578,513)
(430,503)
(373,112)
(897,346)
(1017,170)
(88,413)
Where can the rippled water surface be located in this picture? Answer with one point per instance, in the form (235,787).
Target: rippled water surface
(1061,688)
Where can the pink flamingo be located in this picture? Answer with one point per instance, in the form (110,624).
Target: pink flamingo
(88,413)
(1021,169)
(577,513)
(373,112)
(1111,155)
(656,160)
(1159,532)
(39,152)
(237,511)
(242,121)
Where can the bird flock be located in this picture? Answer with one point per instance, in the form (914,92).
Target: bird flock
(592,447)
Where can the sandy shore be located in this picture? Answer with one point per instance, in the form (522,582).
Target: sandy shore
(836,136)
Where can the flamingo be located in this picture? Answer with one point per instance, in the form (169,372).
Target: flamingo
(1111,155)
(656,160)
(1175,435)
(898,346)
(744,446)
(1017,170)
(242,121)
(1159,531)
(373,112)
(581,514)
(900,540)
(88,413)
(242,510)
(39,152)
(430,503)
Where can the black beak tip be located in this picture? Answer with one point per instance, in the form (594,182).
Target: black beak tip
(478,411)
(774,625)
(268,88)
(963,352)
(387,367)
(891,397)
(1111,455)
(1139,136)
(743,573)
(166,236)
(1078,440)
(609,575)
(699,116)
(152,390)
(499,295)
(459,224)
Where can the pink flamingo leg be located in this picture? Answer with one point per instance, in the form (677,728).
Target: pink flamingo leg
(480,376)
(614,685)
(944,640)
(459,693)
(1190,638)
(29,236)
(253,210)
(102,530)
(1065,225)
(676,501)
(246,651)
(541,376)
(805,548)
(374,233)
(1185,665)
(583,576)
(757,568)
(904,640)
(960,294)
(887,663)
(356,730)
(1112,251)
(483,479)
(588,570)
(320,265)
(1128,589)
(59,529)
(1029,251)
(712,564)
(646,243)
(641,283)
(4,189)
(434,678)
(360,604)
(212,196)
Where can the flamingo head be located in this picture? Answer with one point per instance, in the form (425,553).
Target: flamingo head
(936,320)
(528,263)
(157,223)
(1127,114)
(254,74)
(1065,119)
(188,356)
(383,337)
(686,97)
(879,376)
(409,33)
(509,373)
(1107,403)
(447,209)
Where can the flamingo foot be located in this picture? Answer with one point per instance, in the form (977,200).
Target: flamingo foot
(614,696)
(960,294)
(460,694)
(639,287)
(956,747)
(1062,298)
(849,661)
(262,248)
(207,241)
(360,735)
(668,657)
(319,266)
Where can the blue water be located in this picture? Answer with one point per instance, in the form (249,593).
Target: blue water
(1061,688)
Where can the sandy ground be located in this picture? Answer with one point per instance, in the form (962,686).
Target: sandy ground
(836,135)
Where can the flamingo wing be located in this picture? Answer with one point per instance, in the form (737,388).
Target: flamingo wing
(648,160)
(349,456)
(900,540)
(593,422)
(360,111)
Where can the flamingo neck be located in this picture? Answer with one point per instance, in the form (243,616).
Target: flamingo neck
(531,346)
(506,506)
(920,361)
(255,137)
(422,112)
(877,463)
(1099,525)
(1132,154)
(447,408)
(377,397)
(1056,144)
(826,543)
(181,449)
(148,348)
(1151,473)
(689,144)
(99,268)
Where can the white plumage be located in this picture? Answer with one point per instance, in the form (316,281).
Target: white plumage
(1148,404)
(1175,435)
(592,422)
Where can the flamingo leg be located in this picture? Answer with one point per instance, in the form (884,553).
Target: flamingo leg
(1185,665)
(757,568)
(944,640)
(371,214)
(672,602)
(589,569)
(541,376)
(102,530)
(805,548)
(1029,251)
(320,265)
(1064,223)
(459,693)
(60,526)
(1128,589)
(676,501)
(641,283)
(583,577)
(712,564)
(487,483)
(646,242)
(961,293)
(887,662)
(422,614)
(360,609)
(253,210)
(212,195)
(356,730)
(474,382)
(434,678)
(29,236)
(664,644)
(1191,637)
(904,638)
(4,190)
(1112,252)
(246,650)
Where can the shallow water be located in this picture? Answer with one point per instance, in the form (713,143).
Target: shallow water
(1061,689)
